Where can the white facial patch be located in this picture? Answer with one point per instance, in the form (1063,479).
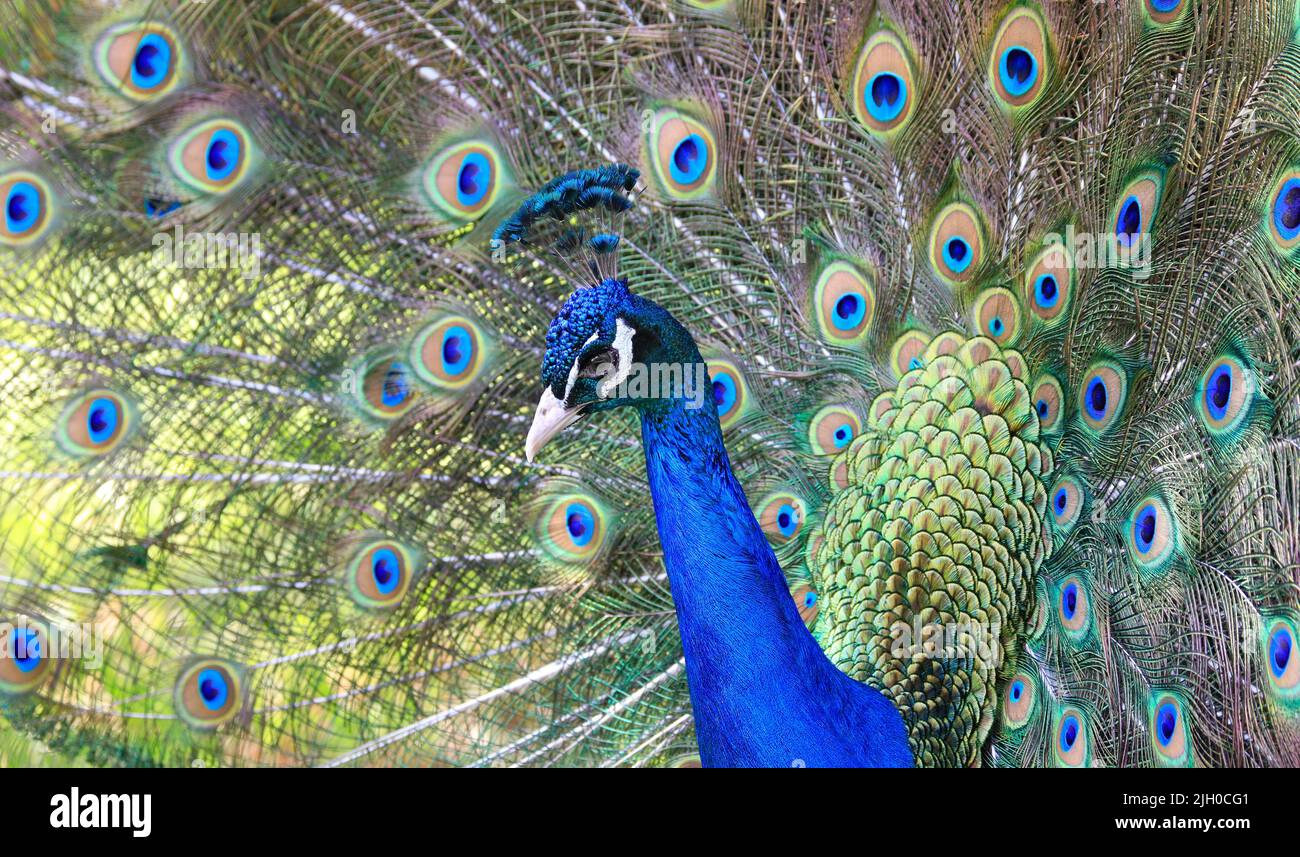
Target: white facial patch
(623,333)
(573,370)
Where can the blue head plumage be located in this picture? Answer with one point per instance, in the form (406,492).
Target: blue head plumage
(587,317)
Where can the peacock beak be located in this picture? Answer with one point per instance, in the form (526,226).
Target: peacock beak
(552,417)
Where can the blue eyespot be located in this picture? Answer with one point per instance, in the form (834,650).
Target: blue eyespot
(957,255)
(1046,291)
(996,326)
(1218,392)
(810,599)
(22,207)
(1286,210)
(1017,690)
(222,155)
(1129,222)
(1018,71)
(843,434)
(474,179)
(787,520)
(849,312)
(1144,528)
(152,62)
(1069,733)
(213,689)
(386,569)
(102,419)
(1059,501)
(25,649)
(160,207)
(690,159)
(1165,5)
(580,524)
(724,393)
(457,350)
(1042,408)
(886,96)
(1166,723)
(396,387)
(1069,600)
(1096,399)
(915,363)
(1280,646)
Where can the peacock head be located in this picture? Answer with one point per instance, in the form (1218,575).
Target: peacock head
(600,339)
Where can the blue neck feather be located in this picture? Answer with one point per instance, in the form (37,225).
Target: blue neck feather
(763,692)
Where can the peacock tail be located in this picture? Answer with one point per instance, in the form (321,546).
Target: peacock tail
(997,302)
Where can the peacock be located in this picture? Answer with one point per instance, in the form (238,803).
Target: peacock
(681,383)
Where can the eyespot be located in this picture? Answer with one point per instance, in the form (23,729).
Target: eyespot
(997,315)
(1048,398)
(27,208)
(1283,659)
(683,154)
(1066,501)
(832,429)
(382,387)
(1018,700)
(1152,533)
(1168,727)
(1102,395)
(573,528)
(781,515)
(1283,219)
(884,85)
(956,243)
(213,156)
(379,574)
(463,181)
(1049,283)
(1135,212)
(1072,606)
(729,390)
(448,353)
(805,599)
(908,353)
(1224,395)
(141,60)
(1164,12)
(26,659)
(95,423)
(1018,64)
(844,304)
(1071,742)
(208,693)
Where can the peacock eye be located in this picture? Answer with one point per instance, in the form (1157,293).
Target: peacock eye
(1019,700)
(1169,730)
(1047,398)
(1164,12)
(884,85)
(1049,283)
(382,388)
(1073,606)
(782,516)
(379,573)
(907,354)
(1136,210)
(465,180)
(212,157)
(573,527)
(682,152)
(805,600)
(1066,502)
(1224,395)
(1018,63)
(1283,661)
(95,423)
(1283,218)
(449,353)
(1151,534)
(1102,396)
(956,243)
(208,693)
(844,302)
(1071,744)
(729,391)
(25,656)
(27,211)
(833,428)
(142,61)
(997,315)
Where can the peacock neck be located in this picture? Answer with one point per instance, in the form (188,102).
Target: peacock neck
(762,690)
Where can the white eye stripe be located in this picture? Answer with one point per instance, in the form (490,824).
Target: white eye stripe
(623,347)
(573,370)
